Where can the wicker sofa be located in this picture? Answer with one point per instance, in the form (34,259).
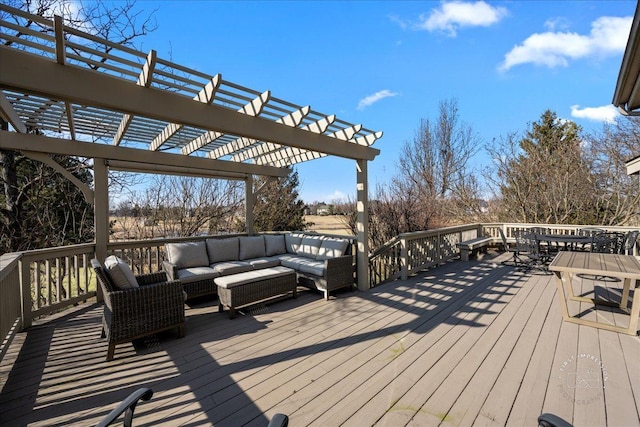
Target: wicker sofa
(321,262)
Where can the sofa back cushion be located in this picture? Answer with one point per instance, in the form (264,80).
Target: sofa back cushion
(310,245)
(332,248)
(187,254)
(292,242)
(223,249)
(121,275)
(275,244)
(252,247)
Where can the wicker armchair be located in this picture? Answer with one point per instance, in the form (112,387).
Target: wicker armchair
(154,306)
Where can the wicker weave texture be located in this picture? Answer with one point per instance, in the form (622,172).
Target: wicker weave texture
(137,312)
(249,293)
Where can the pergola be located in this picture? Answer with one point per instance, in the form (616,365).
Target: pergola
(133,111)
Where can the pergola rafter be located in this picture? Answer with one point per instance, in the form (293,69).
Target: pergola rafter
(136,111)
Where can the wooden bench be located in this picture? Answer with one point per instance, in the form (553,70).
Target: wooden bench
(470,247)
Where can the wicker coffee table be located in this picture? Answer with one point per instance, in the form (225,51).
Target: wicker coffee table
(237,290)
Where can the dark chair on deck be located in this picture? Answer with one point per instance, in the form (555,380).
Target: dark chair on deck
(137,306)
(507,248)
(630,242)
(528,251)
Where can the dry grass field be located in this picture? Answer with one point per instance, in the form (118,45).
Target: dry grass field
(329,224)
(127,228)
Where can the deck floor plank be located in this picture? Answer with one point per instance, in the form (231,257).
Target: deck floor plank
(432,339)
(466,343)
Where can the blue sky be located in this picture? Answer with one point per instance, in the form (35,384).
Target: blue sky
(387,64)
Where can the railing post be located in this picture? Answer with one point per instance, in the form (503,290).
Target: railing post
(25,293)
(404,258)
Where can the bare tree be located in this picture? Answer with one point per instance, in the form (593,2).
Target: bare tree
(433,168)
(174,206)
(618,195)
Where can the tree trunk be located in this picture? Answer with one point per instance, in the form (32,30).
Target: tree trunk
(9,178)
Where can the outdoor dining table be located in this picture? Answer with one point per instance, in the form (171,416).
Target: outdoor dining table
(569,240)
(625,267)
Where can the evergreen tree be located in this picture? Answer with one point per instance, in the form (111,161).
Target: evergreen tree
(548,180)
(277,207)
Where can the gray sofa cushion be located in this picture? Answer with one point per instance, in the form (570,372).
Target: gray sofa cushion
(194,274)
(187,254)
(120,273)
(265,262)
(303,264)
(252,247)
(223,249)
(292,242)
(332,248)
(231,267)
(275,244)
(251,276)
(310,245)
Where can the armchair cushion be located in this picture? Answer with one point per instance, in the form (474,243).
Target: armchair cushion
(120,274)
(222,249)
(187,254)
(332,248)
(252,247)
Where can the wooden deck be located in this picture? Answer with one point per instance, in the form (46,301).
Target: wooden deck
(467,343)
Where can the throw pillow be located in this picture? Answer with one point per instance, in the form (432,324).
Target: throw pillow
(120,273)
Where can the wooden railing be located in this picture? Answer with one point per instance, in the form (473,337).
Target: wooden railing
(36,283)
(10,317)
(412,252)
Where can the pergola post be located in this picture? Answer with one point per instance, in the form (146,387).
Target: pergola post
(362,207)
(101,209)
(249,202)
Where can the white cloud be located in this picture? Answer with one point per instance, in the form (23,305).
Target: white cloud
(455,14)
(606,113)
(554,24)
(336,196)
(372,99)
(555,49)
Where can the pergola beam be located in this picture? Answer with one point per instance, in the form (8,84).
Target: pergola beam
(296,155)
(138,167)
(292,119)
(61,58)
(206,96)
(305,155)
(144,79)
(9,114)
(319,127)
(31,74)
(253,108)
(44,144)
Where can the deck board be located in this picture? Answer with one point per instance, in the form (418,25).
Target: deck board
(467,343)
